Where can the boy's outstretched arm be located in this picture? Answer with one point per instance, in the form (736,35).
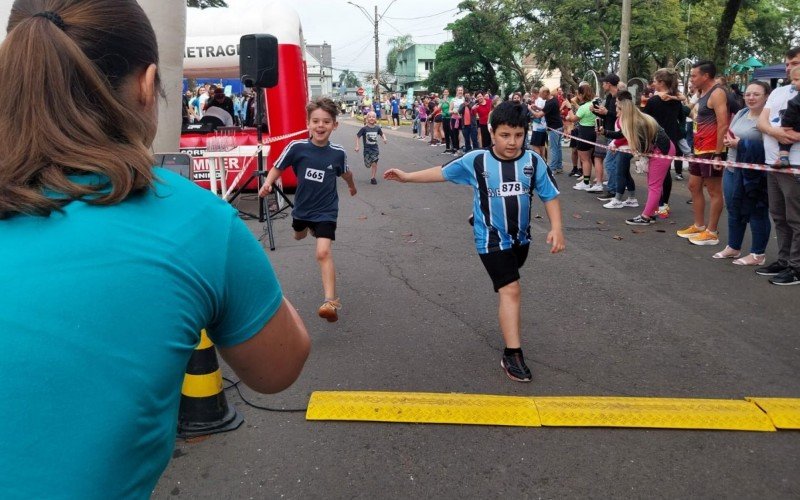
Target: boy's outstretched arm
(348,178)
(272,175)
(556,235)
(433,174)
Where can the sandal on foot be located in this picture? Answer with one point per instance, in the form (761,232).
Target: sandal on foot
(751,260)
(329,310)
(728,253)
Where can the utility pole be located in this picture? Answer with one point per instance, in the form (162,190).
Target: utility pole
(377,59)
(625,41)
(374,20)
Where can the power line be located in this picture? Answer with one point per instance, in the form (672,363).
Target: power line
(421,17)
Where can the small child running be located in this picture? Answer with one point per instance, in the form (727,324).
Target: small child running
(369,134)
(503,180)
(317,163)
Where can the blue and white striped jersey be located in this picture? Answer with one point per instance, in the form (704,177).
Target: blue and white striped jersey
(502,195)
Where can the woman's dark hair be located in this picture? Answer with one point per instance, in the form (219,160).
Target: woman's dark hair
(585,93)
(509,113)
(65,63)
(624,96)
(764,85)
(669,78)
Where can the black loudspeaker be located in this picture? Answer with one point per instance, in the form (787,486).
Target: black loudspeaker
(258,60)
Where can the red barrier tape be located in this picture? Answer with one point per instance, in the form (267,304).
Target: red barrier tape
(723,163)
(270,140)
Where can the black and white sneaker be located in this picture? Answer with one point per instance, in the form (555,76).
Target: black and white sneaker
(773,269)
(515,367)
(640,220)
(606,196)
(789,276)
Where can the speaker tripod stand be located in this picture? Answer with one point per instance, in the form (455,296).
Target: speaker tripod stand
(265,214)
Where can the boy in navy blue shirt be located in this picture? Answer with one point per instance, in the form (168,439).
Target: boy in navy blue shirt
(503,179)
(317,163)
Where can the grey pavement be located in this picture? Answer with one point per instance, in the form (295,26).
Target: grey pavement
(646,314)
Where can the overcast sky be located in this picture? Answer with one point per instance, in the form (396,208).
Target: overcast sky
(350,33)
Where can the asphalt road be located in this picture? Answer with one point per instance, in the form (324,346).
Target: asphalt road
(644,315)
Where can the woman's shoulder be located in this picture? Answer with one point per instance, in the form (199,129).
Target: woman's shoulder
(172,192)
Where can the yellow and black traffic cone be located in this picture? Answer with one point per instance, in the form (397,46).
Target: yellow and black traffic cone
(204,409)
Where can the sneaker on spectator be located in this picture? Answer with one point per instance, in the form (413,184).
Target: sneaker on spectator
(614,203)
(515,367)
(606,196)
(773,269)
(640,220)
(595,188)
(690,231)
(581,186)
(663,211)
(678,177)
(787,277)
(705,238)
(631,202)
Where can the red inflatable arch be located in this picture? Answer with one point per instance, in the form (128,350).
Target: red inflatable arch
(212,51)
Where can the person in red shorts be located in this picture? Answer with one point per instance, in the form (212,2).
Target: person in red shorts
(711,126)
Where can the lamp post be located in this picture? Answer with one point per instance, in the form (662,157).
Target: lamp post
(374,20)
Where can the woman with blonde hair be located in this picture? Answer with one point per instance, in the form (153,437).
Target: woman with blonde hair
(111,267)
(645,136)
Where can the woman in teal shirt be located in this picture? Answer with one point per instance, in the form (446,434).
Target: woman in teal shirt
(110,267)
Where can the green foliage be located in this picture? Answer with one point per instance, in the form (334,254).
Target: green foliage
(396,45)
(575,36)
(455,65)
(204,4)
(349,79)
(485,51)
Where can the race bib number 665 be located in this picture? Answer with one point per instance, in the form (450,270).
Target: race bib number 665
(315,175)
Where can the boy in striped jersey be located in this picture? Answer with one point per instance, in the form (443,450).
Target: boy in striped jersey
(503,179)
(317,163)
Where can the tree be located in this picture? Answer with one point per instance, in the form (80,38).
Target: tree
(204,4)
(724,29)
(349,79)
(396,46)
(485,52)
(457,64)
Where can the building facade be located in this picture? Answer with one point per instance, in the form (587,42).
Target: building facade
(320,77)
(414,65)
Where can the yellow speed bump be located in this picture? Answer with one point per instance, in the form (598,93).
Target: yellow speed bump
(784,412)
(664,413)
(431,408)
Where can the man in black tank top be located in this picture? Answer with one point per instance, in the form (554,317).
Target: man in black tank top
(711,125)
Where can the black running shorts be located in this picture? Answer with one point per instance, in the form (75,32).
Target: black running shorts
(503,265)
(323,229)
